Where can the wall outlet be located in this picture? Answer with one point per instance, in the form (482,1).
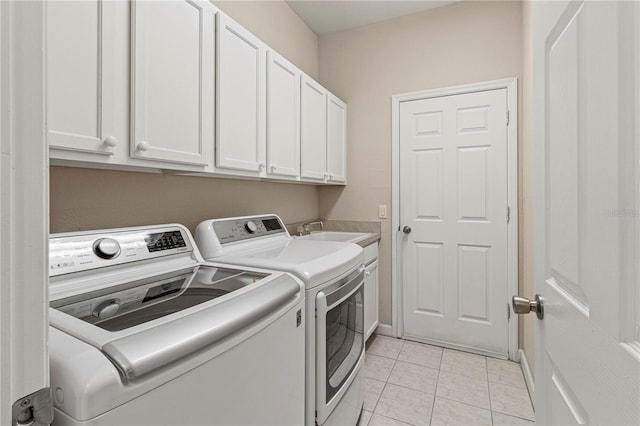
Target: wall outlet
(382,211)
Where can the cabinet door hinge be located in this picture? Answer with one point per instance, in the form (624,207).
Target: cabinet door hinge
(508,214)
(35,409)
(508,312)
(507,117)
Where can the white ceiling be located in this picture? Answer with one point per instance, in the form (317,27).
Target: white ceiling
(329,16)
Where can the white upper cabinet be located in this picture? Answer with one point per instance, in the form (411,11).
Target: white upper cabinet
(172,84)
(186,88)
(313,135)
(283,117)
(323,141)
(336,140)
(81,79)
(240,112)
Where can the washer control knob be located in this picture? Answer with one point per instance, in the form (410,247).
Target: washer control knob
(106,248)
(251,227)
(107,309)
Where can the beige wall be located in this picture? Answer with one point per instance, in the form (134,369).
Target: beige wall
(461,43)
(90,199)
(527,323)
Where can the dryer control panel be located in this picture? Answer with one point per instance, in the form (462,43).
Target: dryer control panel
(238,229)
(88,250)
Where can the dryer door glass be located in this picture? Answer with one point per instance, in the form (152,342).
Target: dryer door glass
(344,340)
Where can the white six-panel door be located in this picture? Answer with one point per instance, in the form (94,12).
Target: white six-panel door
(587,116)
(453,196)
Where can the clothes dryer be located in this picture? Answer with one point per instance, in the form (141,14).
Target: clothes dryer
(333,276)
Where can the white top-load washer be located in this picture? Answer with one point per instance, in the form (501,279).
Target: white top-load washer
(333,275)
(144,332)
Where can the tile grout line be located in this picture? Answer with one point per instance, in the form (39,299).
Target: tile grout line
(385,384)
(435,391)
(486,364)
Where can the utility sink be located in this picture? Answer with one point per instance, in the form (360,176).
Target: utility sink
(347,237)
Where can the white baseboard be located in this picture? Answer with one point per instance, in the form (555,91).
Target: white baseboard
(528,377)
(384,330)
(463,348)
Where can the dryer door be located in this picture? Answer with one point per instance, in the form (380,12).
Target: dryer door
(340,340)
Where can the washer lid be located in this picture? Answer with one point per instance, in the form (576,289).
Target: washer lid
(145,325)
(314,262)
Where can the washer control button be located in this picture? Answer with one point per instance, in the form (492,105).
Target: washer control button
(106,248)
(107,309)
(250,226)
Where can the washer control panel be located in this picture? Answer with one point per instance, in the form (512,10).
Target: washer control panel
(233,230)
(84,251)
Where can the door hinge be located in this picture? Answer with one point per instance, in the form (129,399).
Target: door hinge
(507,117)
(508,312)
(508,214)
(35,409)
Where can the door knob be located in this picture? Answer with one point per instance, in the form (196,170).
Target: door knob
(522,305)
(406,229)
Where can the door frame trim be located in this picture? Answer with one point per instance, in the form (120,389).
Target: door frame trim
(511,85)
(24,205)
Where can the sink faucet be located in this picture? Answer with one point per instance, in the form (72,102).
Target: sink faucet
(305,228)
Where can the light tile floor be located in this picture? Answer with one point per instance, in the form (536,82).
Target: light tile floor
(408,383)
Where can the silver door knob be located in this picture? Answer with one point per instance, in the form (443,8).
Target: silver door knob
(406,229)
(522,305)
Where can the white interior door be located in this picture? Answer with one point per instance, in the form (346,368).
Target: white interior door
(24,209)
(586,219)
(453,197)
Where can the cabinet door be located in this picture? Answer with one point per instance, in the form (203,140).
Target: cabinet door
(371,299)
(283,117)
(240,142)
(336,139)
(313,135)
(80,77)
(172,80)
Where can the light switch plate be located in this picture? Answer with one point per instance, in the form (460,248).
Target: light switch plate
(382,211)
